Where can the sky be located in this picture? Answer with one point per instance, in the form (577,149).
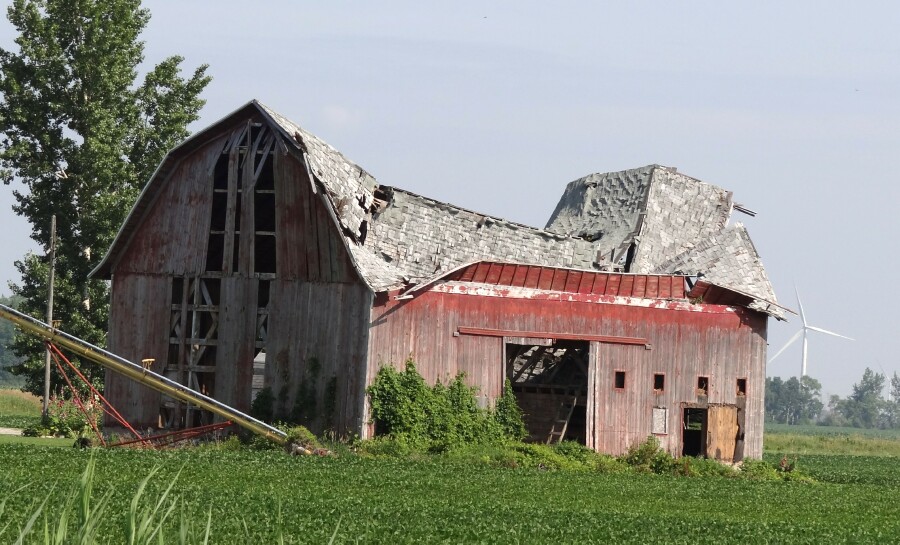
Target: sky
(496,106)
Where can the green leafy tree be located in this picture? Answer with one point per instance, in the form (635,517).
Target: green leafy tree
(7,358)
(793,401)
(865,407)
(893,412)
(80,135)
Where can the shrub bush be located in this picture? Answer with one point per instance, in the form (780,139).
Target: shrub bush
(440,417)
(66,419)
(263,405)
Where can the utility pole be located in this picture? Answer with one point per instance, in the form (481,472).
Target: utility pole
(49,313)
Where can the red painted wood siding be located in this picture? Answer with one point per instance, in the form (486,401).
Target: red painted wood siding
(309,244)
(173,237)
(721,343)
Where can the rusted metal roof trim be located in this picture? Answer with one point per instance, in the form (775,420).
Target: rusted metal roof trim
(449,273)
(610,339)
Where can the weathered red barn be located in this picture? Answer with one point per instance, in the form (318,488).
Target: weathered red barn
(258,256)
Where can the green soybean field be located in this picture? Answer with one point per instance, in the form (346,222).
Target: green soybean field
(221,495)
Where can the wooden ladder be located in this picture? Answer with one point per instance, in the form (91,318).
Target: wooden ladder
(563,416)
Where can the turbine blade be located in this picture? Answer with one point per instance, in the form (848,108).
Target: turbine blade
(787,344)
(825,331)
(800,306)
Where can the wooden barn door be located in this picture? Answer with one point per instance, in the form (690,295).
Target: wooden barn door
(721,432)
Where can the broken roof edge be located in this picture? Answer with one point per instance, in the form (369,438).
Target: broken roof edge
(779,316)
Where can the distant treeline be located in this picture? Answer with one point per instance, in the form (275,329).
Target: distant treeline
(794,401)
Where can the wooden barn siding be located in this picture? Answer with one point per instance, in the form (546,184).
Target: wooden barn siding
(138,329)
(236,342)
(309,243)
(318,307)
(173,237)
(724,346)
(327,322)
(755,399)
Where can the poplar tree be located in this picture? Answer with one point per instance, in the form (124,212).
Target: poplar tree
(80,134)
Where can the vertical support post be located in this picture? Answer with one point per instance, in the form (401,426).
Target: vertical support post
(50,280)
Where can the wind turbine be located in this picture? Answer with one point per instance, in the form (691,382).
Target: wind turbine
(804,331)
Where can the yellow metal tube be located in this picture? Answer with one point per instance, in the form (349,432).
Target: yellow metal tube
(136,372)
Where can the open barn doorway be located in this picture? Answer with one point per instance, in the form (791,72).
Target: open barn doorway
(549,379)
(713,432)
(693,431)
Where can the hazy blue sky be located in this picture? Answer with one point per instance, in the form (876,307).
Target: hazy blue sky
(496,106)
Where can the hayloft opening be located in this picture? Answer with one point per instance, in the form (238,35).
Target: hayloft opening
(549,379)
(243,205)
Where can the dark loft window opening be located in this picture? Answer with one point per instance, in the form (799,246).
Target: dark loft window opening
(264,212)
(659,382)
(219,206)
(741,386)
(619,380)
(262,294)
(177,289)
(266,179)
(215,252)
(243,204)
(220,173)
(264,254)
(550,381)
(702,386)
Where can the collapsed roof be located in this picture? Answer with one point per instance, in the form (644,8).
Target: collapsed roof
(649,220)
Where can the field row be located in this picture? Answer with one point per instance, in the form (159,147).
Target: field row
(254,496)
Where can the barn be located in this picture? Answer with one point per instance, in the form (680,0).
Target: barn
(259,258)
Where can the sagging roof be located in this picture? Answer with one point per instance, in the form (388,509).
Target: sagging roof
(424,237)
(647,220)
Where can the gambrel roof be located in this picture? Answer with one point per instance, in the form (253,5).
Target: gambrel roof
(648,220)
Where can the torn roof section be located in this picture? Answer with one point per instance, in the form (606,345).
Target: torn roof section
(424,237)
(654,212)
(729,259)
(656,220)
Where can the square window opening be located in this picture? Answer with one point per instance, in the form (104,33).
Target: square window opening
(742,387)
(619,380)
(659,382)
(702,386)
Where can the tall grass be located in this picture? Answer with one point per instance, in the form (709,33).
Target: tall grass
(78,519)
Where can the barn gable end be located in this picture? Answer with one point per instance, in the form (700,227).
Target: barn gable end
(235,237)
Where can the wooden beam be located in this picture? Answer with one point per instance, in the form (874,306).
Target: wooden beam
(610,339)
